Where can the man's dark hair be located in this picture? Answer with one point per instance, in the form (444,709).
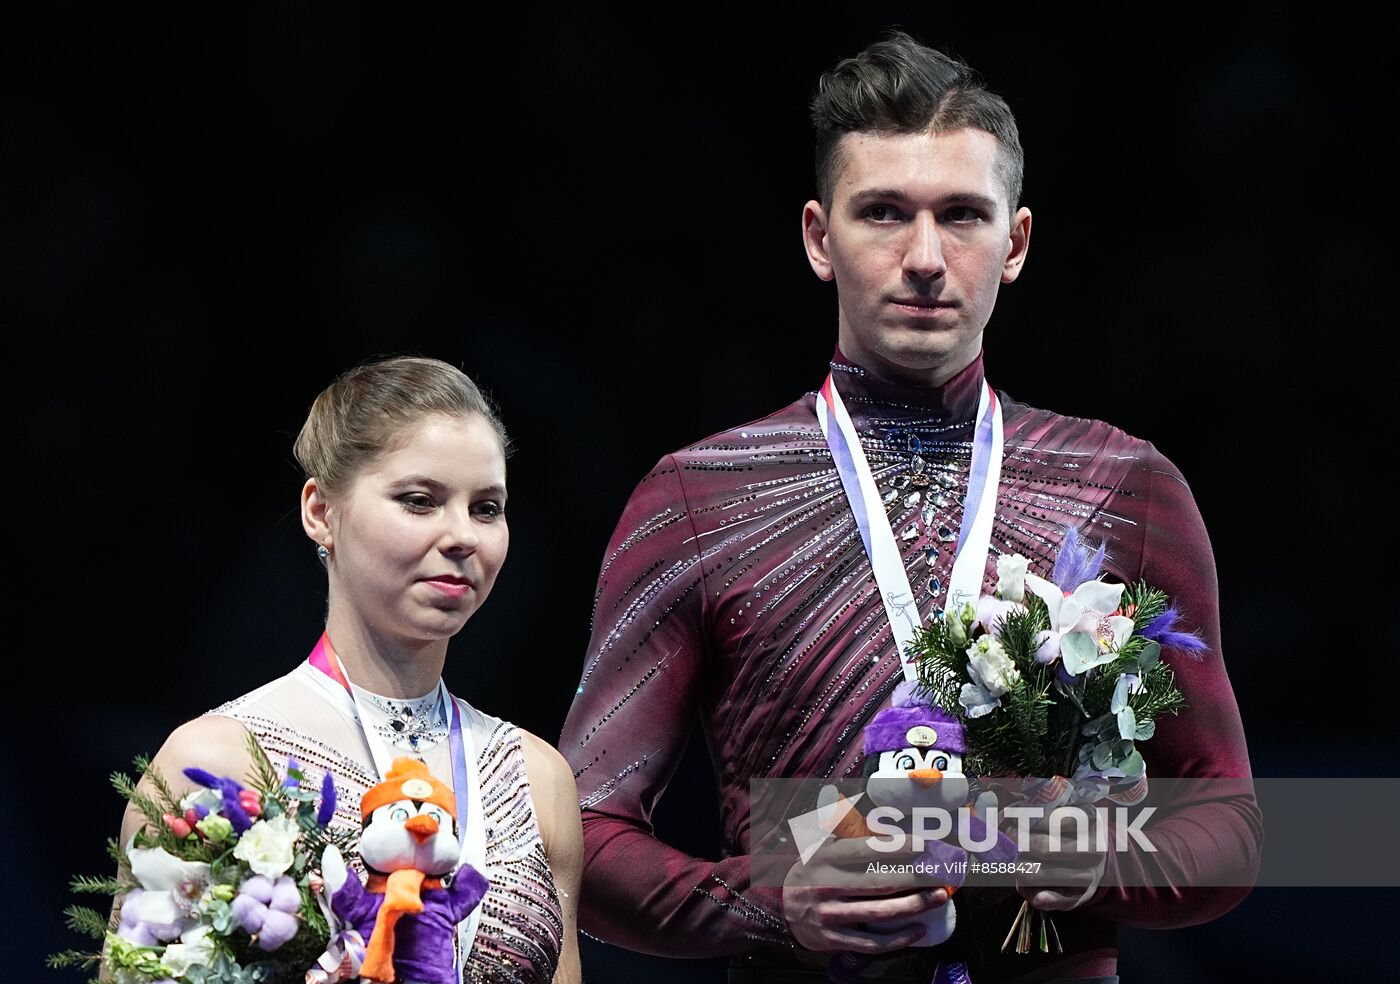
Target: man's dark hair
(897,85)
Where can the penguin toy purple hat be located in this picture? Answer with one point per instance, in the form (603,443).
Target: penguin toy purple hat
(914,752)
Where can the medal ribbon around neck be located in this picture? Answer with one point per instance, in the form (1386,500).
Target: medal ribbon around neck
(470,828)
(974,536)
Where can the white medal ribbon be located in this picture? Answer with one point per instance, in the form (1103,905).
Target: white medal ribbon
(466,787)
(886,561)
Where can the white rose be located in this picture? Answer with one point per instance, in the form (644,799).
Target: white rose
(267,846)
(195,949)
(1011,577)
(990,667)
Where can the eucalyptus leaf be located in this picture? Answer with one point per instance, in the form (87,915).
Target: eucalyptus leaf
(1099,727)
(1145,730)
(220,915)
(1133,765)
(1120,698)
(1127,723)
(1101,757)
(1151,653)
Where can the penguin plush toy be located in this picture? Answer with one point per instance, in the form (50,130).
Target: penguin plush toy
(914,758)
(416,895)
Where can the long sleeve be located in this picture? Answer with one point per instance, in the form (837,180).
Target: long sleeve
(642,690)
(1209,831)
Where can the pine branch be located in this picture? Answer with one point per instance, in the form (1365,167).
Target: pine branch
(1146,602)
(311,912)
(1012,740)
(1019,634)
(98,886)
(940,664)
(1160,695)
(1132,648)
(319,838)
(167,795)
(115,852)
(87,921)
(73,958)
(147,806)
(264,777)
(1098,689)
(1030,708)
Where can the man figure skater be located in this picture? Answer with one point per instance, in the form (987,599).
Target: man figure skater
(738,589)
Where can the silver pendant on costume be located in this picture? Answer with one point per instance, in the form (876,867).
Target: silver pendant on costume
(414,725)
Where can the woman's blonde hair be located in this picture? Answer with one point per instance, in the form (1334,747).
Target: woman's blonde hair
(354,419)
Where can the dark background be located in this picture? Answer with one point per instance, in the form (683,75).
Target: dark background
(206,216)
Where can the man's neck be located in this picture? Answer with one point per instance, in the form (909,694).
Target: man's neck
(926,377)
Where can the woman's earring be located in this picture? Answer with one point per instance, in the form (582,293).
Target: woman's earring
(323,552)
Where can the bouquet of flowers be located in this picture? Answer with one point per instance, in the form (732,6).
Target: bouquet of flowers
(1058,679)
(221,885)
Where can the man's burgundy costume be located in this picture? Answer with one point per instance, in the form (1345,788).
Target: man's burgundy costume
(736,590)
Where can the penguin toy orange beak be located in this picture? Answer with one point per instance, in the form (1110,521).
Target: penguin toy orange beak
(924,777)
(421,827)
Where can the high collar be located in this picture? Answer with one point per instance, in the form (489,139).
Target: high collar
(955,400)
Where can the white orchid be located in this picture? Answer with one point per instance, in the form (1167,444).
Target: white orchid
(169,888)
(1084,629)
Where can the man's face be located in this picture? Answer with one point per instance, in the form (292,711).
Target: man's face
(918,239)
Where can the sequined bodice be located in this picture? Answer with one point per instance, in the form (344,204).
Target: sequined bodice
(521,929)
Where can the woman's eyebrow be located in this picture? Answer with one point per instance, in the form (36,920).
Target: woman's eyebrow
(417,480)
(495,488)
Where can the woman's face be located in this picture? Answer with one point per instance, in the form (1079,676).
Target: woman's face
(420,534)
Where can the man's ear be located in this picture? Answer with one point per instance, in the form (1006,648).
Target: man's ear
(314,513)
(814,230)
(1020,242)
